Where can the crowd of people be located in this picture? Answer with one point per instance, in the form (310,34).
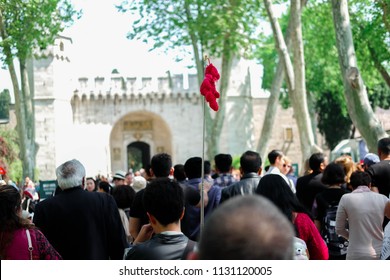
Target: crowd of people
(199,210)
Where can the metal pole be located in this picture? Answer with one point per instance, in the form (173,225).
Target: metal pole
(203,152)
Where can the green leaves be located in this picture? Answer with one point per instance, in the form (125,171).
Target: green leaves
(33,24)
(208,24)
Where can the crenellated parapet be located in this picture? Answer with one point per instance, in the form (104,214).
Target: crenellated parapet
(116,86)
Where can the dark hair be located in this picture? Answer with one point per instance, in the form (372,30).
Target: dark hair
(207,167)
(276,189)
(164,199)
(193,167)
(105,186)
(273,155)
(315,161)
(384,145)
(161,165)
(123,196)
(246,228)
(223,162)
(333,174)
(250,162)
(359,178)
(179,173)
(10,203)
(94,182)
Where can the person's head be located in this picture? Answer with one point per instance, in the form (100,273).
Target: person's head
(164,201)
(178,172)
(275,158)
(348,165)
(250,161)
(123,196)
(370,159)
(333,174)
(90,184)
(104,186)
(287,165)
(161,165)
(317,162)
(129,178)
(223,163)
(275,188)
(10,215)
(70,174)
(193,167)
(10,208)
(207,167)
(241,229)
(119,178)
(139,183)
(360,178)
(384,148)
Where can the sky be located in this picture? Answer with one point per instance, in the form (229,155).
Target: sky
(100,45)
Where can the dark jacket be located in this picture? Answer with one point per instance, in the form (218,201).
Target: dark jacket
(247,185)
(82,225)
(159,247)
(308,187)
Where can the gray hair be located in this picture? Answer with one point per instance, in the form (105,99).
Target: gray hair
(70,174)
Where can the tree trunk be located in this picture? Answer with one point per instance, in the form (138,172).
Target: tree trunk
(378,65)
(29,152)
(295,76)
(298,96)
(355,92)
(214,134)
(23,108)
(273,101)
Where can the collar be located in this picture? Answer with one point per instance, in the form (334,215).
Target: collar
(361,189)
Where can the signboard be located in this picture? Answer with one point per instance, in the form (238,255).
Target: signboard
(47,188)
(295,167)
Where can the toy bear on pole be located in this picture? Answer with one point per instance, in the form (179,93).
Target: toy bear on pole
(208,88)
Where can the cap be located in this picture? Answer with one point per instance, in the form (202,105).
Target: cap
(370,159)
(119,175)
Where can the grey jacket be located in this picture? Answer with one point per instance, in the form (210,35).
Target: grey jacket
(246,186)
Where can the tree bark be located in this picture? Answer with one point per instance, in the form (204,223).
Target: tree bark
(378,65)
(355,91)
(295,75)
(23,108)
(273,101)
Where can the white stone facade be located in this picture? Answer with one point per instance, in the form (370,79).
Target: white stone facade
(96,119)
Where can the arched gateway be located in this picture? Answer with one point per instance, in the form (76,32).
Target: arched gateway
(136,137)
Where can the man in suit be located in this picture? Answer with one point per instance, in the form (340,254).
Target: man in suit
(308,186)
(80,225)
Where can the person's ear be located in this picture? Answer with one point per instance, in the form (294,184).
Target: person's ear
(152,219)
(259,171)
(182,213)
(192,256)
(171,171)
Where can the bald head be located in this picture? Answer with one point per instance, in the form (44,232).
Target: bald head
(247,227)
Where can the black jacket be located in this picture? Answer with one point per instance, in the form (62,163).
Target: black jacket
(247,185)
(308,187)
(159,247)
(82,225)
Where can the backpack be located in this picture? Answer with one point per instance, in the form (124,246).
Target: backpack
(337,245)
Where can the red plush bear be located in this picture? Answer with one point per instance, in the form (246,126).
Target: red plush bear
(208,89)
